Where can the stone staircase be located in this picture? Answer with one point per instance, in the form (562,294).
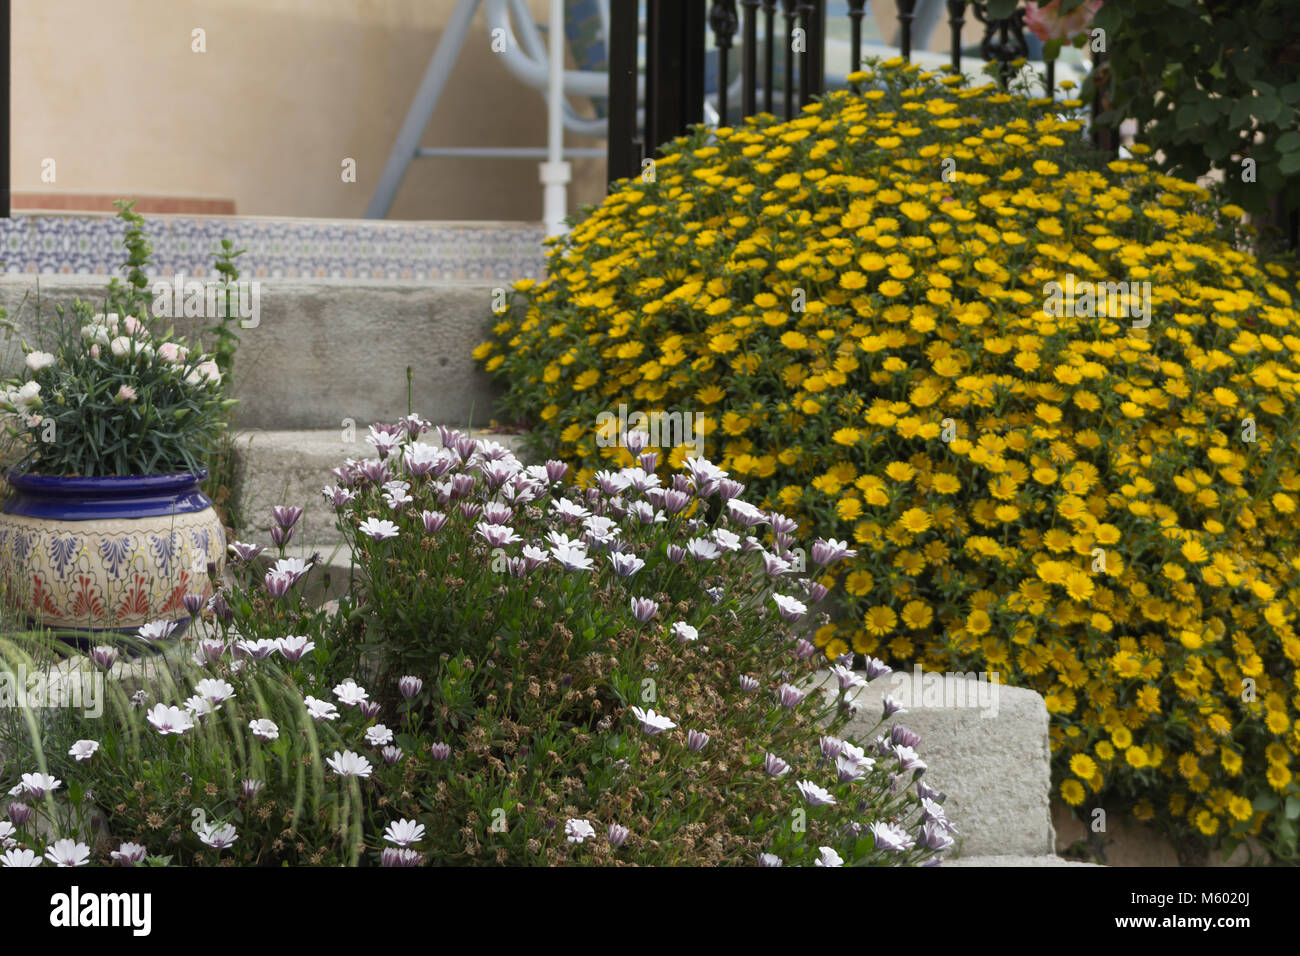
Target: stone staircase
(328,357)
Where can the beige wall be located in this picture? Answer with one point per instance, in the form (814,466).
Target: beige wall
(111,90)
(287,88)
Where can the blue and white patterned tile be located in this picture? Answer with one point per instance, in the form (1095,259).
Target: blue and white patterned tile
(79,244)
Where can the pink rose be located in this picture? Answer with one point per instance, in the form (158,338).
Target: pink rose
(1047,23)
(125,394)
(133,325)
(94,351)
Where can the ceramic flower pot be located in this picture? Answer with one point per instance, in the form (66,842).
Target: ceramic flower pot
(107,553)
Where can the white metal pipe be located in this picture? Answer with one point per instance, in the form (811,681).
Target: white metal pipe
(526,56)
(554,173)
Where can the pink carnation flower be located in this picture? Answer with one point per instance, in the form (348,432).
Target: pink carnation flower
(204,372)
(173,354)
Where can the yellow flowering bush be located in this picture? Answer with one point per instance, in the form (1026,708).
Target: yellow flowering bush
(1094,496)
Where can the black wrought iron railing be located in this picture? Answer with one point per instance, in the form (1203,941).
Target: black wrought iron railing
(676,55)
(5,196)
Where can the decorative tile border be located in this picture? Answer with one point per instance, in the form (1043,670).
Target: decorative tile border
(52,243)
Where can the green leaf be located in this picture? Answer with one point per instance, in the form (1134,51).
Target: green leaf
(1001,9)
(1288,142)
(1292,808)
(1286,836)
(1218,150)
(1288,165)
(1239,118)
(1266,802)
(1267,108)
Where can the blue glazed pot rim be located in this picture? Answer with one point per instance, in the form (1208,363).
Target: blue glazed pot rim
(148,485)
(110,497)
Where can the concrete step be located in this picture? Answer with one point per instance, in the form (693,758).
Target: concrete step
(323,351)
(985,746)
(291,467)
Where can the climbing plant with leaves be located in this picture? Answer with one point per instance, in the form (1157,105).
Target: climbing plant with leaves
(1214,85)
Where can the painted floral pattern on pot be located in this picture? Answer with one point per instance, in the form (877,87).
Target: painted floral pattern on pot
(96,562)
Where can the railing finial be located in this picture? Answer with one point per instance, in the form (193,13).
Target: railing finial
(906,14)
(722,18)
(856,10)
(956,20)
